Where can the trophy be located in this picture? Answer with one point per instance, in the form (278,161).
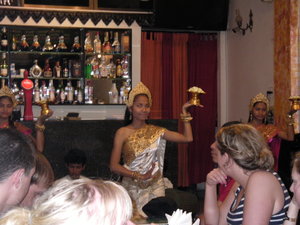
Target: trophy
(295,102)
(195,99)
(44,106)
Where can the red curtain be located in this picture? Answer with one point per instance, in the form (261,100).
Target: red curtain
(167,59)
(202,53)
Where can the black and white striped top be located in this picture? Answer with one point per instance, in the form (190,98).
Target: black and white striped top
(235,217)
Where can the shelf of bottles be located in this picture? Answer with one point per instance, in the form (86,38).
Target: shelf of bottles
(68,65)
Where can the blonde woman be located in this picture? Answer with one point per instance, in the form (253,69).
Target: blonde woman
(261,197)
(76,202)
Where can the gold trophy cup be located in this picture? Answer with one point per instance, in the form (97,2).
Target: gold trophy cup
(44,106)
(295,102)
(195,99)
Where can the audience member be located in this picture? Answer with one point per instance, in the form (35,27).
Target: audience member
(76,202)
(17,165)
(41,180)
(293,211)
(75,161)
(261,198)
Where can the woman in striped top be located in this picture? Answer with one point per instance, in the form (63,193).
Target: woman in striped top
(261,197)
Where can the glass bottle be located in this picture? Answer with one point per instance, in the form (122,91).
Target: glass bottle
(97,44)
(113,94)
(122,96)
(60,93)
(104,73)
(125,67)
(111,67)
(44,94)
(47,69)
(61,46)
(125,42)
(35,44)
(35,70)
(76,68)
(88,48)
(4,66)
(76,47)
(116,44)
(51,91)
(24,46)
(48,47)
(4,40)
(95,68)
(57,69)
(106,46)
(119,69)
(78,93)
(65,68)
(36,92)
(70,92)
(14,43)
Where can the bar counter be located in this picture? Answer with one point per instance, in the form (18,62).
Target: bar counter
(95,138)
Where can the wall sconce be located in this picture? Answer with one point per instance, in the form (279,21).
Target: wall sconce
(239,23)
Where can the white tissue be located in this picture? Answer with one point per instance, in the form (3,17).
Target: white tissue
(180,217)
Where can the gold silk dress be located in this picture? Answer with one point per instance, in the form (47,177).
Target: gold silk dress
(142,150)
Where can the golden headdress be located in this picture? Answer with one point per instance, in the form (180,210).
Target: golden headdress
(5,91)
(259,98)
(139,89)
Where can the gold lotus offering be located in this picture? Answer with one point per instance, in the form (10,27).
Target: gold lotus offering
(295,102)
(44,106)
(195,99)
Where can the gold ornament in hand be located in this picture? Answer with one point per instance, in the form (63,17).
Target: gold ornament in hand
(44,106)
(295,102)
(196,91)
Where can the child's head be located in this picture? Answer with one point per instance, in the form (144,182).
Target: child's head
(75,161)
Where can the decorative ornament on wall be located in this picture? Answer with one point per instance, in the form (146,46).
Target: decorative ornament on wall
(239,23)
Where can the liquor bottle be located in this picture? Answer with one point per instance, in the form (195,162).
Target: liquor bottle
(13,71)
(125,42)
(89,92)
(36,92)
(76,47)
(24,46)
(116,44)
(35,70)
(44,94)
(122,96)
(97,44)
(104,73)
(51,91)
(78,93)
(4,40)
(14,43)
(4,66)
(48,47)
(119,69)
(47,69)
(125,67)
(35,44)
(76,68)
(60,93)
(95,68)
(111,67)
(88,48)
(70,92)
(113,94)
(106,46)
(57,69)
(65,68)
(61,46)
